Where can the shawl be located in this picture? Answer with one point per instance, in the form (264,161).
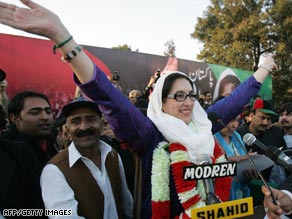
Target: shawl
(235,137)
(239,189)
(176,130)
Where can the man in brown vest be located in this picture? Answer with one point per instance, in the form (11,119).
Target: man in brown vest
(87,178)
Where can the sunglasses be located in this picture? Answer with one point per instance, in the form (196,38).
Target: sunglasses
(181,96)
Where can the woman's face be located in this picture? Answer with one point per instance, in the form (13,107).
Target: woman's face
(227,90)
(181,110)
(231,127)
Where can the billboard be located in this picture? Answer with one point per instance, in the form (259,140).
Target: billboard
(30,64)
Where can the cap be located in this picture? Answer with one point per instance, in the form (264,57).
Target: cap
(78,103)
(264,106)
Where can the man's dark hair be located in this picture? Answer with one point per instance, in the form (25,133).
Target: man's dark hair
(207,92)
(16,104)
(286,107)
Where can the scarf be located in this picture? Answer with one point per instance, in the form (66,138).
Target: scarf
(176,130)
(185,142)
(234,140)
(239,189)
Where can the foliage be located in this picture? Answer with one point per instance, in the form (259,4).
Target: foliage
(236,33)
(170,48)
(124,47)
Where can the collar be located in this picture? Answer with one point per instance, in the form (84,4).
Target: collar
(74,154)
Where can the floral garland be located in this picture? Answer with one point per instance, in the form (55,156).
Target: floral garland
(160,182)
(188,192)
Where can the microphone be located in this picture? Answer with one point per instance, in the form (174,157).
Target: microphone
(211,197)
(279,157)
(214,118)
(250,139)
(272,152)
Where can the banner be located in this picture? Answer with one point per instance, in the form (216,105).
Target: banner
(30,64)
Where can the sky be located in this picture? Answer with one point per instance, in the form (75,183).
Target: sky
(144,25)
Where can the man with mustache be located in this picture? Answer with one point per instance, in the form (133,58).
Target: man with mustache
(31,121)
(260,126)
(88,176)
(270,135)
(285,121)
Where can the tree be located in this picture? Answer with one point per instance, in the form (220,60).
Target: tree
(281,34)
(124,47)
(236,33)
(170,48)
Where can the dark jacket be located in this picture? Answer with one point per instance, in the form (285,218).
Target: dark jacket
(20,175)
(13,134)
(271,137)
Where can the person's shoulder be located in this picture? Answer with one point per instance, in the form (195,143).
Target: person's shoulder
(21,152)
(113,153)
(14,145)
(276,127)
(275,130)
(10,133)
(59,157)
(236,133)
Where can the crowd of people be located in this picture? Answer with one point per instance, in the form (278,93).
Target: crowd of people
(109,155)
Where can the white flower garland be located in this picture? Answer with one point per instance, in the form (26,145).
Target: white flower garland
(160,178)
(160,174)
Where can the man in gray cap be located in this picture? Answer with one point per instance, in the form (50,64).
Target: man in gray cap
(87,178)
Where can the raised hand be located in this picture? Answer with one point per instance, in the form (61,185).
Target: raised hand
(269,62)
(266,68)
(38,20)
(34,19)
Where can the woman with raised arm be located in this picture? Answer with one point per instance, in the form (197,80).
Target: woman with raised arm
(176,132)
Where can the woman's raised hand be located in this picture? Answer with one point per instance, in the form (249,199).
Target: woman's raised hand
(33,19)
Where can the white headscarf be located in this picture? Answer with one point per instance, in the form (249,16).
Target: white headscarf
(176,130)
(225,73)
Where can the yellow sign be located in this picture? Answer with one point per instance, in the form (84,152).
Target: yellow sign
(227,210)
